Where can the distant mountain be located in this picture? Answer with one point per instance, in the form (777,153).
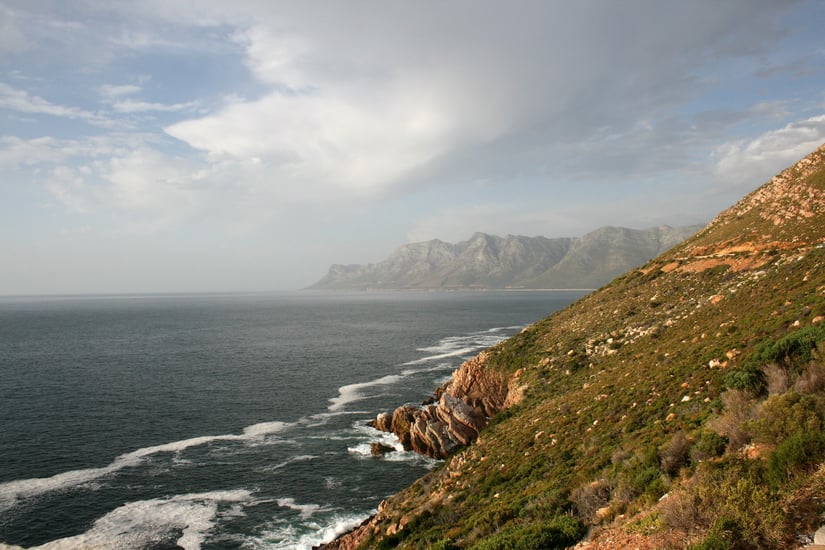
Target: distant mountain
(491,262)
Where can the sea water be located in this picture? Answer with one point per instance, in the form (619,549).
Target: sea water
(221,421)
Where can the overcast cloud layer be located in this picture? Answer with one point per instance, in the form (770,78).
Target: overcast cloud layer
(182,145)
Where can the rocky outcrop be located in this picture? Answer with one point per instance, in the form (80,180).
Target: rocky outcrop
(456,414)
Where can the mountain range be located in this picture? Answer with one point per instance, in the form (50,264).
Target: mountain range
(491,262)
(680,406)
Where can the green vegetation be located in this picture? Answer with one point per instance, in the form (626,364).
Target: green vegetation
(686,397)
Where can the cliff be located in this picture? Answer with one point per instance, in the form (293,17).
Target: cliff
(488,261)
(680,406)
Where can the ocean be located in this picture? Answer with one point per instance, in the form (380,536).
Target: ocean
(221,421)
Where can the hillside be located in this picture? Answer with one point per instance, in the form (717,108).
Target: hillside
(488,261)
(680,406)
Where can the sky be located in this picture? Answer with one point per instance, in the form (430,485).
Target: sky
(214,146)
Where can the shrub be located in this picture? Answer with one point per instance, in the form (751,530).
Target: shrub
(738,409)
(793,349)
(776,379)
(782,415)
(733,494)
(444,544)
(798,454)
(674,454)
(680,511)
(750,379)
(724,535)
(640,475)
(812,379)
(709,445)
(559,532)
(589,498)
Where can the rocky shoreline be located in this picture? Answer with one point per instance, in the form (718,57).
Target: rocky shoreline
(451,419)
(456,413)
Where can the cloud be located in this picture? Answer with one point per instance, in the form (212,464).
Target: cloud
(362,107)
(111,90)
(12,39)
(130,106)
(69,188)
(746,162)
(338,141)
(24,102)
(16,152)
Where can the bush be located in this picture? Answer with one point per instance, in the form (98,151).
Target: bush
(709,445)
(783,415)
(776,378)
(793,349)
(812,379)
(750,379)
(444,544)
(674,454)
(732,423)
(559,532)
(724,535)
(799,454)
(589,498)
(732,497)
(680,511)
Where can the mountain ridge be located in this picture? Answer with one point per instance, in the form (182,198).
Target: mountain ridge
(680,406)
(515,261)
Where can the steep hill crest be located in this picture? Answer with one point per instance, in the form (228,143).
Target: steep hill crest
(680,406)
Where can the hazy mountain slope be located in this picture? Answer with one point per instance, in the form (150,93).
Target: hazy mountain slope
(488,261)
(606,253)
(682,404)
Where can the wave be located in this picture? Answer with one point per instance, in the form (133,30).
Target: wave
(368,434)
(11,492)
(454,346)
(285,463)
(446,355)
(296,537)
(184,519)
(447,348)
(306,510)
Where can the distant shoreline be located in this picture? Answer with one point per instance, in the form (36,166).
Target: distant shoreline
(463,289)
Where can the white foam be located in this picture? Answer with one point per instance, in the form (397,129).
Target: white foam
(352,392)
(306,510)
(13,491)
(265,428)
(287,462)
(447,348)
(363,449)
(289,538)
(447,354)
(138,524)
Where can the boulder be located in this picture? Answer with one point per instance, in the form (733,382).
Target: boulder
(377,448)
(456,413)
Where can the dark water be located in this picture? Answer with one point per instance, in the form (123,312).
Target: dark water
(210,421)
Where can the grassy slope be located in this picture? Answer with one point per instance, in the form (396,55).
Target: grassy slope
(630,396)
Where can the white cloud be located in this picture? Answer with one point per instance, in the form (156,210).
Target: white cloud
(332,141)
(24,102)
(12,38)
(112,90)
(69,188)
(16,152)
(349,130)
(145,179)
(748,162)
(130,106)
